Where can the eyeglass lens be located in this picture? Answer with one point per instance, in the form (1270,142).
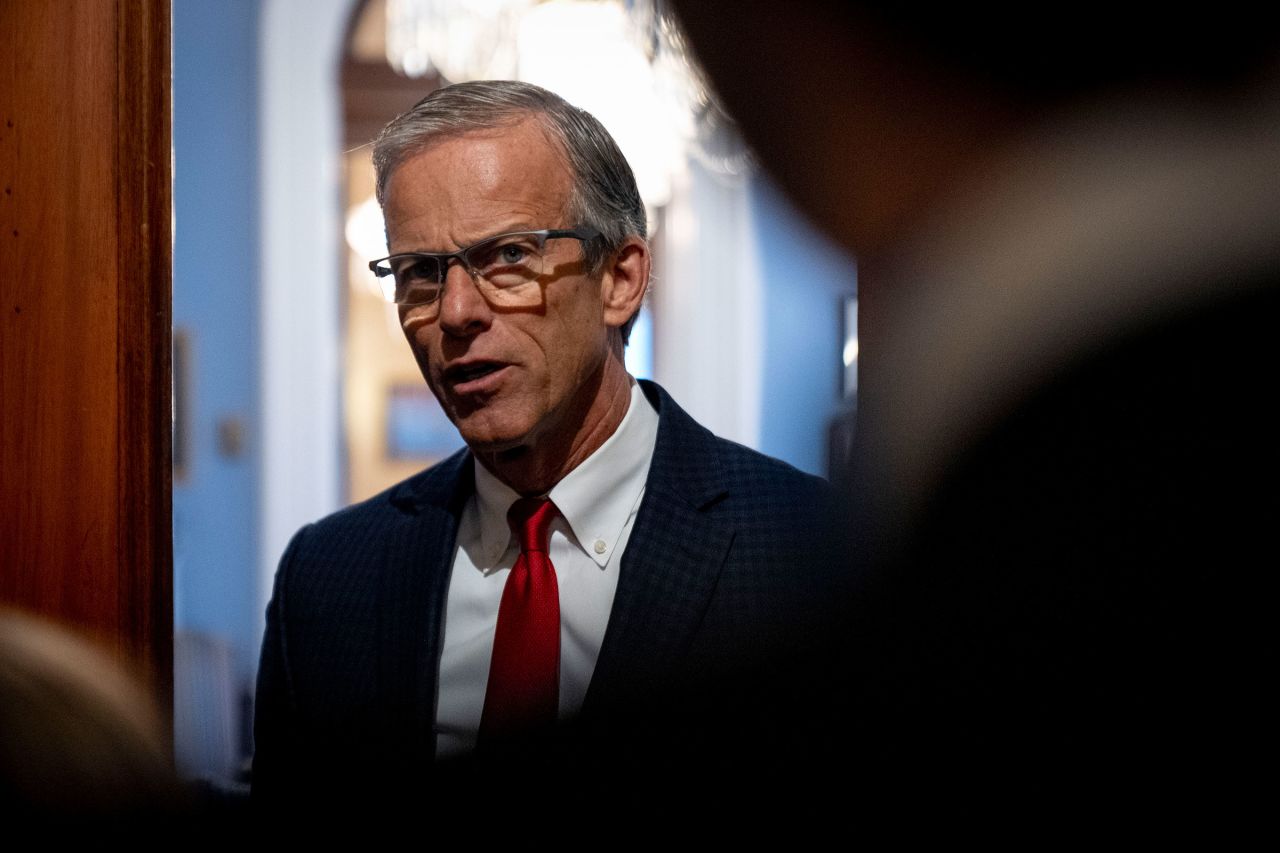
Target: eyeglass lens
(502,263)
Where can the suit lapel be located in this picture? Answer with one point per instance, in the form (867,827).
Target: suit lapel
(671,564)
(666,579)
(413,590)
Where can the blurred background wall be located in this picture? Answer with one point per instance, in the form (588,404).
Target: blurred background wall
(218,448)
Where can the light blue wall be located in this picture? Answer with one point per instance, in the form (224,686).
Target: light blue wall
(804,277)
(215,299)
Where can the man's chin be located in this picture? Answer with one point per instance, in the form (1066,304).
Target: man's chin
(488,443)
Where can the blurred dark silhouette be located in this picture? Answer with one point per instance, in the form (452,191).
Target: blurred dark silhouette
(81,746)
(1068,229)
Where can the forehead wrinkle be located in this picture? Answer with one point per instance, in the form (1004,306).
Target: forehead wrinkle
(473,186)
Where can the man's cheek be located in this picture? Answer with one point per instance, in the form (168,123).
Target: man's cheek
(423,358)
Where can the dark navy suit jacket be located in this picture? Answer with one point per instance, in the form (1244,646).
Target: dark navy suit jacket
(714,590)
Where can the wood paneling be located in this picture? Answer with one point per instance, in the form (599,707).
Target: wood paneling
(85,261)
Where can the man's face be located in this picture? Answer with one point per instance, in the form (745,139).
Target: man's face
(505,376)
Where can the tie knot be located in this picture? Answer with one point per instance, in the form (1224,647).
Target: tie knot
(530,520)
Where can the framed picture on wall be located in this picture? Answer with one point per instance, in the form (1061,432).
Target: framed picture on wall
(417,428)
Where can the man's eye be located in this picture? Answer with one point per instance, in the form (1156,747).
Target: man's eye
(420,270)
(512,253)
(423,269)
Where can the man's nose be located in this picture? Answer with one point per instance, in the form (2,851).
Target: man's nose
(463,309)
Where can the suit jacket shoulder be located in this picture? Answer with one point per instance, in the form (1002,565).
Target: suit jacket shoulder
(353,622)
(720,566)
(335,571)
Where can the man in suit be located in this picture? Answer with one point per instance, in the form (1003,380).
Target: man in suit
(594,558)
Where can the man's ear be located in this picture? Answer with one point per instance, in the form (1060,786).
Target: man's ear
(624,282)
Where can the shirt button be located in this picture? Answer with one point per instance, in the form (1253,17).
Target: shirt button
(601,547)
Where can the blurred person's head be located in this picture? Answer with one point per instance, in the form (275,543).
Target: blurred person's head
(78,738)
(870,115)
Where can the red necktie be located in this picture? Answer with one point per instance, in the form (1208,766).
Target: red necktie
(524,676)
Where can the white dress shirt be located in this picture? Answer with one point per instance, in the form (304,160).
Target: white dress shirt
(598,502)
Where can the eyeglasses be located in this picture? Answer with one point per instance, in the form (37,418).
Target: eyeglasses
(498,265)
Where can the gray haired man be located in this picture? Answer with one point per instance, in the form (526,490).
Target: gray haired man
(594,561)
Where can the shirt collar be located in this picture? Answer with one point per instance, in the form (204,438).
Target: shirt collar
(596,499)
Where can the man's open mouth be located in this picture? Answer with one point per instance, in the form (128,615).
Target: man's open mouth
(471,372)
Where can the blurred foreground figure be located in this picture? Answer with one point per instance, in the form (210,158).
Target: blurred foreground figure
(1068,230)
(80,745)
